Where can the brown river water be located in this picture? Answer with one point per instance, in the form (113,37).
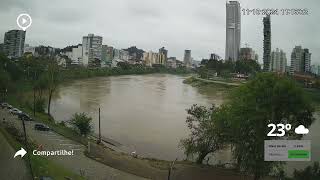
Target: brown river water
(147,112)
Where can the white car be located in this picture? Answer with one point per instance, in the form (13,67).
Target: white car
(15,111)
(5,106)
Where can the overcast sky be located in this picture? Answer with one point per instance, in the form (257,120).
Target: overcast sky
(198,25)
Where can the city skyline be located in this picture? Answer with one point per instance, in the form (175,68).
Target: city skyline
(202,31)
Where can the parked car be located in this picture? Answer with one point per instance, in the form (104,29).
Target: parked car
(9,107)
(4,105)
(24,116)
(41,127)
(15,111)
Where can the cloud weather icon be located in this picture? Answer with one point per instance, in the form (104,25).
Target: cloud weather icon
(301,130)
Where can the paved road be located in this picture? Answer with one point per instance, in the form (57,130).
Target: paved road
(78,163)
(11,168)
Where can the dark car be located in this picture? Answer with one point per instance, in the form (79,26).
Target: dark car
(5,105)
(25,117)
(41,127)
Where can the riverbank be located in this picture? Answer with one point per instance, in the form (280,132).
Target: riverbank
(197,82)
(159,169)
(81,73)
(313,94)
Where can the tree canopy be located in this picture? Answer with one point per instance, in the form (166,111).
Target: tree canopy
(266,99)
(242,121)
(82,123)
(206,133)
(223,68)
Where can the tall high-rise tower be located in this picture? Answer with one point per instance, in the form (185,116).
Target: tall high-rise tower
(14,43)
(187,58)
(233,30)
(266,43)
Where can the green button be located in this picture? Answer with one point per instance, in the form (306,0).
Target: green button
(298,154)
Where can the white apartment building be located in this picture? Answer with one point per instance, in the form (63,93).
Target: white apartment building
(91,49)
(29,49)
(75,55)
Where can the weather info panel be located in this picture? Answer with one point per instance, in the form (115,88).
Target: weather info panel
(287,150)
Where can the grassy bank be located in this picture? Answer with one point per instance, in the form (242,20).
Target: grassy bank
(313,94)
(198,82)
(158,169)
(81,73)
(40,165)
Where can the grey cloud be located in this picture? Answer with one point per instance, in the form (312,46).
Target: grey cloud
(7,5)
(66,15)
(151,24)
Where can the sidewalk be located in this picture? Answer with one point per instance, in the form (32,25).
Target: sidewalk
(78,163)
(11,168)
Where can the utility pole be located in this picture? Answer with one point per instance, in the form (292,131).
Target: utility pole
(27,147)
(171,167)
(34,95)
(99,141)
(34,102)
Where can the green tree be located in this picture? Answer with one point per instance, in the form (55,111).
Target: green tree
(53,79)
(40,85)
(15,72)
(124,65)
(4,82)
(40,105)
(247,67)
(265,99)
(309,173)
(317,83)
(82,123)
(206,136)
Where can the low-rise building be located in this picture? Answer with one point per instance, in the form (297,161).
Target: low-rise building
(214,56)
(107,55)
(172,62)
(315,69)
(149,58)
(29,49)
(45,51)
(74,53)
(247,54)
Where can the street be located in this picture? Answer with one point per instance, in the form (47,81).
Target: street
(78,163)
